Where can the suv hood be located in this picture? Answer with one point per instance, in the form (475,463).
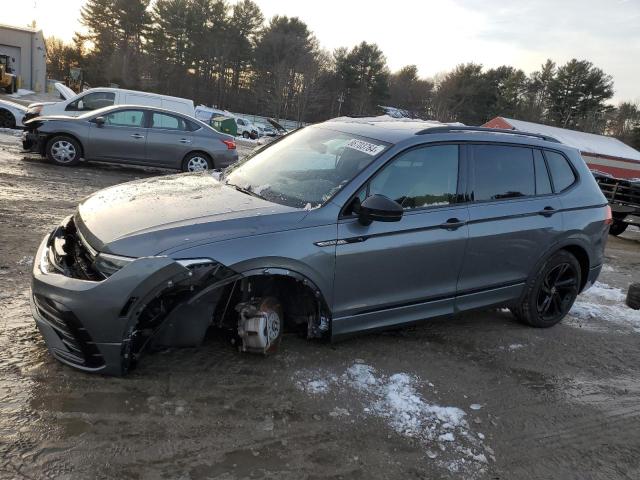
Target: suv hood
(152,216)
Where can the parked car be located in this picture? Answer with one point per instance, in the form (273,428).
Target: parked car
(624,198)
(337,228)
(131,134)
(246,129)
(95,98)
(279,129)
(11,114)
(265,130)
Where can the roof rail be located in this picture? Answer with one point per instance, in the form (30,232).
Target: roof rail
(453,128)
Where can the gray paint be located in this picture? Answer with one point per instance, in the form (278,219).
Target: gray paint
(391,274)
(134,145)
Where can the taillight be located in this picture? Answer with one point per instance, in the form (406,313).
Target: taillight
(231,145)
(608,219)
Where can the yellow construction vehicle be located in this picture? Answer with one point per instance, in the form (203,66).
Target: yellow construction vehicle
(7,78)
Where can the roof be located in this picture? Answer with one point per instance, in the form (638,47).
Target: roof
(383,127)
(20,29)
(585,142)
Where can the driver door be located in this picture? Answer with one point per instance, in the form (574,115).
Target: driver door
(122,137)
(398,272)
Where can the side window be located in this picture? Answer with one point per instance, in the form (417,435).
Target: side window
(423,177)
(502,172)
(125,118)
(561,172)
(192,126)
(92,101)
(162,120)
(543,184)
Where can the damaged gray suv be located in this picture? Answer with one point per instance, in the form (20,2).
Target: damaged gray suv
(348,226)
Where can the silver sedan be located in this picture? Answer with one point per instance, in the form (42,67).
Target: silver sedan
(131,134)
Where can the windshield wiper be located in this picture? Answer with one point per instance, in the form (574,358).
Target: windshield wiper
(245,190)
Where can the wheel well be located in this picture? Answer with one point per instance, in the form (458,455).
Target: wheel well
(583,259)
(9,112)
(64,134)
(304,308)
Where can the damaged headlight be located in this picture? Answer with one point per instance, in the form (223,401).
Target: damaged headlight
(108,264)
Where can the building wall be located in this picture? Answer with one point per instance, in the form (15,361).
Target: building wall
(27,47)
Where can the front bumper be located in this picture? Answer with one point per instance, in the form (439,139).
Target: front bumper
(89,324)
(31,141)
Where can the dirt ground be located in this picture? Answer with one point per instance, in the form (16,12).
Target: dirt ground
(478,396)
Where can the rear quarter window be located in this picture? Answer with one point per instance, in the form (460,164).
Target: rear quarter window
(562,174)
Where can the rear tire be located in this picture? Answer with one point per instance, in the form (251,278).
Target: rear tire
(245,134)
(633,296)
(7,120)
(617,227)
(197,162)
(549,296)
(63,150)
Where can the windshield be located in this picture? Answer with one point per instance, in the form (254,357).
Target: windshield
(305,168)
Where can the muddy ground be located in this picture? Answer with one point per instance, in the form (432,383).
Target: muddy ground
(479,396)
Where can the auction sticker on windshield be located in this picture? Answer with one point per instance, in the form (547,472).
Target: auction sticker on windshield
(364,147)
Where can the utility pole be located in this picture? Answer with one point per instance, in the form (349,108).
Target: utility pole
(340,102)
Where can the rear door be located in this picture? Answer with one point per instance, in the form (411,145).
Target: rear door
(169,139)
(122,137)
(388,273)
(513,218)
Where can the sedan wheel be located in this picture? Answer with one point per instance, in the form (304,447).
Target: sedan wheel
(63,151)
(196,162)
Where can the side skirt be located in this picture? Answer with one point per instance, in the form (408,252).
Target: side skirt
(409,314)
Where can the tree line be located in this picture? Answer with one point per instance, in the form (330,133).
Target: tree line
(229,56)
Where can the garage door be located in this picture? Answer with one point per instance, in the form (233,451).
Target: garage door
(14,53)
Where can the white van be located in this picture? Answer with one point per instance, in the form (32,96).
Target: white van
(94,98)
(246,128)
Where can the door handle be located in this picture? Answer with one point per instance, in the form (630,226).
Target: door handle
(137,135)
(185,140)
(452,224)
(547,211)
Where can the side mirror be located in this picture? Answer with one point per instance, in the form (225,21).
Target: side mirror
(99,121)
(380,209)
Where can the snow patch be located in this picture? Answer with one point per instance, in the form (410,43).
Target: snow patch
(604,291)
(26,260)
(602,302)
(397,400)
(21,92)
(314,386)
(11,131)
(261,188)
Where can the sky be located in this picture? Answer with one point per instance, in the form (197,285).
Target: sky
(436,35)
